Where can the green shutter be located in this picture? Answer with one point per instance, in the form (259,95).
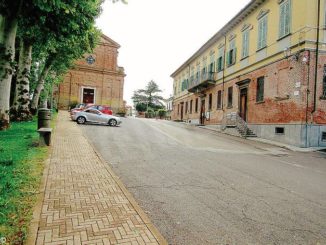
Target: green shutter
(281,24)
(285,18)
(262,32)
(234,55)
(245,44)
(264,38)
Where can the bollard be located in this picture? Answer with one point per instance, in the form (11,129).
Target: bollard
(44,118)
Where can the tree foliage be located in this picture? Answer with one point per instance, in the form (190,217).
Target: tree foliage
(148,96)
(52,34)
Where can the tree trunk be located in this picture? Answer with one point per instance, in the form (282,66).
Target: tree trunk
(39,88)
(20,109)
(8,30)
(44,103)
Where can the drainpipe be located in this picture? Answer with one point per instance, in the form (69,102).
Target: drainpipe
(223,76)
(308,93)
(316,61)
(69,90)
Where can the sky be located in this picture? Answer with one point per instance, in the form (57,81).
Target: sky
(158,36)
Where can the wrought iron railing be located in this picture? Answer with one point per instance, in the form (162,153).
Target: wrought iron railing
(193,82)
(207,76)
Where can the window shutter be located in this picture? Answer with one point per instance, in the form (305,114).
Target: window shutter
(281,21)
(227,58)
(243,54)
(245,44)
(283,18)
(234,55)
(264,41)
(287,18)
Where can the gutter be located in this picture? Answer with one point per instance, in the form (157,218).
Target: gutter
(307,103)
(253,4)
(223,74)
(316,60)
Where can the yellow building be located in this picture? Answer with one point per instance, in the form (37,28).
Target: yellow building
(258,74)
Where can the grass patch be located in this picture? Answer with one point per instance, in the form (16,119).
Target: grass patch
(21,169)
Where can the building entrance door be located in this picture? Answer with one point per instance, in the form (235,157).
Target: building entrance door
(181,113)
(88,95)
(202,112)
(243,103)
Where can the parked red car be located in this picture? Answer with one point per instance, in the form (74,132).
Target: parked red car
(81,107)
(103,108)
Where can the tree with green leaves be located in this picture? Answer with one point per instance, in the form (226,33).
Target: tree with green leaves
(149,97)
(75,35)
(51,35)
(9,15)
(49,26)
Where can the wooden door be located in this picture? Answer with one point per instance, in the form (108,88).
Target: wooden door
(88,95)
(202,112)
(243,103)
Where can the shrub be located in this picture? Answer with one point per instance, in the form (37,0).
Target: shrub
(149,113)
(122,112)
(73,104)
(161,113)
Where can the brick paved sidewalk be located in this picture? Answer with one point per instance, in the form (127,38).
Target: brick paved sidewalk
(84,202)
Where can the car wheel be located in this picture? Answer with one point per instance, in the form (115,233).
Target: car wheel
(81,120)
(113,122)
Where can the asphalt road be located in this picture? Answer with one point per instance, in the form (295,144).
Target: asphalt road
(201,187)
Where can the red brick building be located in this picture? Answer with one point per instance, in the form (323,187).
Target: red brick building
(96,78)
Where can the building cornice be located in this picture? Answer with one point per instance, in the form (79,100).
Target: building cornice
(247,10)
(109,42)
(120,72)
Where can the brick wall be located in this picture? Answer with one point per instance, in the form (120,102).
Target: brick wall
(286,83)
(103,76)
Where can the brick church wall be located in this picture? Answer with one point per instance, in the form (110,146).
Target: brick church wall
(104,76)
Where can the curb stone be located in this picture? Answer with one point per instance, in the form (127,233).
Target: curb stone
(34,223)
(158,236)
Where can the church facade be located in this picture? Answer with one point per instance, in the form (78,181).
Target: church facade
(96,79)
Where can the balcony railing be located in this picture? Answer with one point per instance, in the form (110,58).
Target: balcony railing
(208,76)
(201,82)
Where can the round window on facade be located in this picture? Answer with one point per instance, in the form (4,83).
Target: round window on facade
(90,60)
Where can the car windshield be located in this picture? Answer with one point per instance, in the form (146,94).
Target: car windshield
(93,111)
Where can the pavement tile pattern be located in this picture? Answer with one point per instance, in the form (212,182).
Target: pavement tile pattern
(83,204)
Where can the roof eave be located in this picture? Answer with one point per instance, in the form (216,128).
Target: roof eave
(253,4)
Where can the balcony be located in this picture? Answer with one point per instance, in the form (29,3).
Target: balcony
(205,81)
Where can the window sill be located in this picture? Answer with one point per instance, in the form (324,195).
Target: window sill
(279,98)
(229,107)
(219,109)
(260,102)
(243,58)
(285,36)
(260,49)
(322,97)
